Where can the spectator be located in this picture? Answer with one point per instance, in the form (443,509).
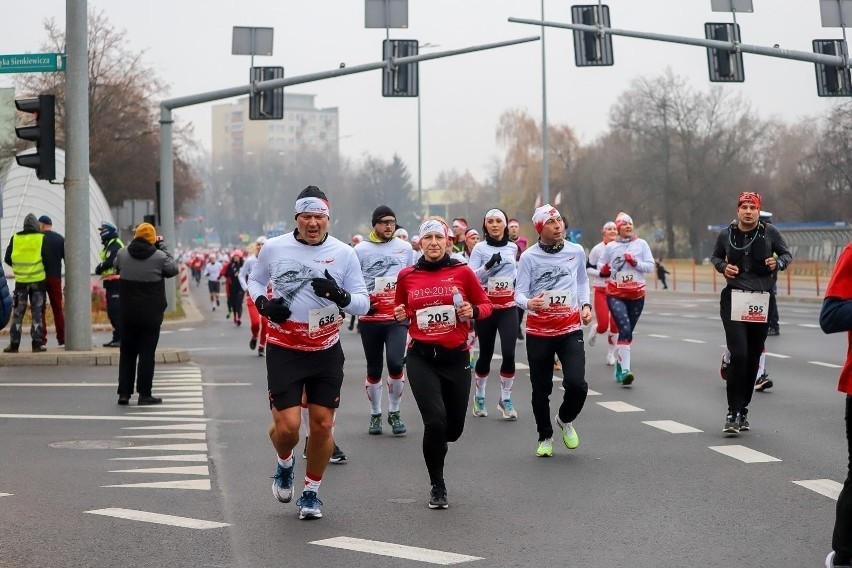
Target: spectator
(661,274)
(109,276)
(26,255)
(5,301)
(53,283)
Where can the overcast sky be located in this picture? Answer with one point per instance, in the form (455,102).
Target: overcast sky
(188,44)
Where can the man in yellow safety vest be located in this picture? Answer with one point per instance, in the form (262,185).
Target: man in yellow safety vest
(109,275)
(26,254)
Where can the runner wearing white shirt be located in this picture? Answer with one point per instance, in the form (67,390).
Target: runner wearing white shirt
(604,322)
(213,273)
(554,288)
(258,322)
(493,262)
(313,278)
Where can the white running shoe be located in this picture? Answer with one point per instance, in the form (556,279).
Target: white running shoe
(593,337)
(610,360)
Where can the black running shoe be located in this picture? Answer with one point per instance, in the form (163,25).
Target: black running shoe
(438,497)
(337,456)
(763,383)
(742,418)
(253,343)
(732,425)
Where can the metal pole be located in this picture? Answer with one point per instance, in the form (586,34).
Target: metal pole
(167,191)
(419,164)
(545,161)
(78,299)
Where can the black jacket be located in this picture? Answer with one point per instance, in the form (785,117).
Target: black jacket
(142,268)
(5,301)
(53,263)
(748,252)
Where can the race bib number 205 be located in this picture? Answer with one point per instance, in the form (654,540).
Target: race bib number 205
(436,320)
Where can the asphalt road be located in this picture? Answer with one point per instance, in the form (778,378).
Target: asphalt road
(632,494)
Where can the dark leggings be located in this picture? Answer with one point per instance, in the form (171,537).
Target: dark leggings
(745,342)
(506,322)
(841,542)
(626,315)
(136,358)
(441,387)
(389,336)
(540,352)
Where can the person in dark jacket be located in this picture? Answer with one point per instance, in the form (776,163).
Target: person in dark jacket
(26,254)
(53,283)
(109,276)
(5,301)
(661,274)
(143,267)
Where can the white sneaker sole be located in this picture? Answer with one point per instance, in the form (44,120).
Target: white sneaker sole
(507,415)
(286,498)
(310,515)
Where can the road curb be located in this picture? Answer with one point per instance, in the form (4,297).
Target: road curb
(104,357)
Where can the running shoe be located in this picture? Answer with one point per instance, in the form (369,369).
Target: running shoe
(228,315)
(309,506)
(479,406)
(829,562)
(397,426)
(253,343)
(261,351)
(593,337)
(375,424)
(569,435)
(610,360)
(337,455)
(520,334)
(508,409)
(723,369)
(545,448)
(763,383)
(773,331)
(732,426)
(438,497)
(742,418)
(627,377)
(619,375)
(282,482)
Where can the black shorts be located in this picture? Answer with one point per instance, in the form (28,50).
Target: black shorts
(213,286)
(318,373)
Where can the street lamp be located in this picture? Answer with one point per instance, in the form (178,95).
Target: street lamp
(419,144)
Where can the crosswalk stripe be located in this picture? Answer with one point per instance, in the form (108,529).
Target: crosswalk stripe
(129,417)
(195,484)
(396,550)
(178,436)
(176,457)
(168,406)
(168,427)
(594,393)
(6,494)
(521,366)
(177,470)
(171,399)
(693,341)
(171,447)
(744,454)
(821,364)
(157,518)
(826,487)
(170,413)
(619,406)
(671,426)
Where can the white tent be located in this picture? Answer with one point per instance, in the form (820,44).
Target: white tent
(24,193)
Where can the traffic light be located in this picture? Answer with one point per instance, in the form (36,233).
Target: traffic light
(591,49)
(43,133)
(266,105)
(725,66)
(831,81)
(400,80)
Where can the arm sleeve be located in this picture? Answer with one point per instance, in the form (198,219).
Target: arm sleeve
(780,249)
(582,282)
(476,262)
(592,263)
(836,315)
(353,282)
(170,267)
(259,277)
(109,262)
(646,261)
(244,273)
(720,254)
(477,296)
(604,259)
(522,287)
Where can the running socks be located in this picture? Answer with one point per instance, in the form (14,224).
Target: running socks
(395,388)
(374,394)
(611,344)
(506,387)
(761,368)
(312,482)
(480,383)
(286,462)
(624,356)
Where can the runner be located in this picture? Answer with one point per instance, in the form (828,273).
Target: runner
(762,383)
(625,261)
(459,228)
(554,289)
(258,322)
(493,262)
(213,272)
(604,323)
(305,269)
(438,295)
(521,242)
(382,256)
(235,291)
(747,252)
(471,237)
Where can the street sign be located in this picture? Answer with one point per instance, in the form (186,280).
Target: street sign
(32,63)
(386,14)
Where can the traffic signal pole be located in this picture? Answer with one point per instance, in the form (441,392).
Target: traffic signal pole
(167,106)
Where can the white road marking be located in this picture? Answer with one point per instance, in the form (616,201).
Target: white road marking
(521,366)
(777,355)
(192,390)
(693,341)
(594,393)
(180,457)
(826,487)
(665,314)
(6,494)
(744,454)
(618,406)
(171,413)
(168,406)
(90,417)
(177,470)
(166,332)
(157,518)
(171,447)
(187,329)
(168,427)
(808,325)
(691,316)
(396,550)
(112,384)
(175,436)
(187,381)
(170,399)
(821,364)
(658,336)
(671,426)
(195,484)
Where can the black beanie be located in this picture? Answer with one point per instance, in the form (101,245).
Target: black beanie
(382,211)
(312,191)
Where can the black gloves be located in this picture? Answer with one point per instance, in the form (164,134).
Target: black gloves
(159,244)
(495,259)
(327,288)
(99,269)
(275,309)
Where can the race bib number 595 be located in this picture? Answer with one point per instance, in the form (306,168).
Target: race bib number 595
(751,307)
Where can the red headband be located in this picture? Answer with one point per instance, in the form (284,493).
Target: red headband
(749,197)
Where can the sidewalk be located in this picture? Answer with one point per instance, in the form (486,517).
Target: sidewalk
(102,356)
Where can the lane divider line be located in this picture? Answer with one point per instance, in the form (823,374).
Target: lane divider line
(396,550)
(157,518)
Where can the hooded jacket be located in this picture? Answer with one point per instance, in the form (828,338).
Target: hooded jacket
(5,301)
(30,226)
(143,268)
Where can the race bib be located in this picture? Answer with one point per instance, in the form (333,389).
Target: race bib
(559,300)
(500,286)
(627,277)
(385,285)
(322,321)
(750,307)
(436,320)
